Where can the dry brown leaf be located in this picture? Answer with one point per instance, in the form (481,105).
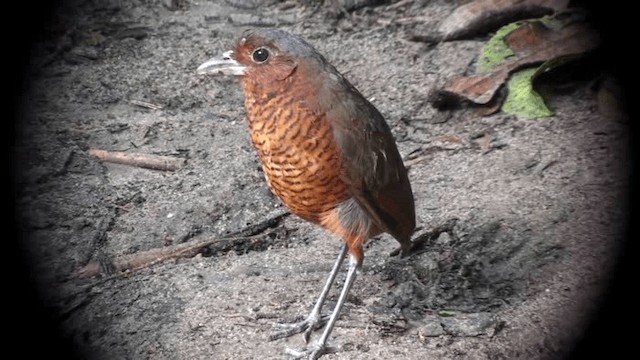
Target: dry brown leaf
(484,15)
(489,108)
(532,43)
(485,142)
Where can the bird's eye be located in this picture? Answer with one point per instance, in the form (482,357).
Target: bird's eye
(260,55)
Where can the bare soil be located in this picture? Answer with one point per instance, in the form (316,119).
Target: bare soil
(537,214)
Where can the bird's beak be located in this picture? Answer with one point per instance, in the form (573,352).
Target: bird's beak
(225,65)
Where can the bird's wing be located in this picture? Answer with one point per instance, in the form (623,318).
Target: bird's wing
(373,169)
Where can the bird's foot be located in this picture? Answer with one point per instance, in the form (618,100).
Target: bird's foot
(312,353)
(308,325)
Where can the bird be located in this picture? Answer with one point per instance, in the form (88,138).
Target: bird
(326,152)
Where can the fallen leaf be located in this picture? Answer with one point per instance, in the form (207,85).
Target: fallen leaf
(489,108)
(485,142)
(495,51)
(531,43)
(446,313)
(522,99)
(480,16)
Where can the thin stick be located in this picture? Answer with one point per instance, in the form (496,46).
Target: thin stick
(155,162)
(147,105)
(144,259)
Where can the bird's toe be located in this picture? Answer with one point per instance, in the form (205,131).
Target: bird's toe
(308,325)
(312,353)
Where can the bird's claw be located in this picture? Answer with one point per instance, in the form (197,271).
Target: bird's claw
(312,353)
(307,325)
(395,252)
(403,252)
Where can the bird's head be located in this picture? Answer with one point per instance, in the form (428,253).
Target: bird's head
(263,56)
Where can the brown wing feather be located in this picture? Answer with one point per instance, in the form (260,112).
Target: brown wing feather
(373,168)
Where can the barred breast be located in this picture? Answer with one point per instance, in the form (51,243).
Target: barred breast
(298,154)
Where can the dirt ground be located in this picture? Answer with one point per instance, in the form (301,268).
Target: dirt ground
(537,216)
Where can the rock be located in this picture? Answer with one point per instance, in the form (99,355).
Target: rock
(432,326)
(469,324)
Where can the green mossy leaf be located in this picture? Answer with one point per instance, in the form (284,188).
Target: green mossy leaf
(495,51)
(522,100)
(446,313)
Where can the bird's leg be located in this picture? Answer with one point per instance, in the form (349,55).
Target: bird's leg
(320,347)
(314,319)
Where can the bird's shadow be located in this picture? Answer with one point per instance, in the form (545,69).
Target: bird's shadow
(458,267)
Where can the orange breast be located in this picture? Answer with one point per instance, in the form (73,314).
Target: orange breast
(298,154)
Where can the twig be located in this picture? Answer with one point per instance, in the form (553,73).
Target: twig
(421,239)
(147,258)
(447,227)
(399,4)
(151,257)
(99,236)
(544,167)
(155,162)
(423,152)
(147,105)
(263,225)
(65,164)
